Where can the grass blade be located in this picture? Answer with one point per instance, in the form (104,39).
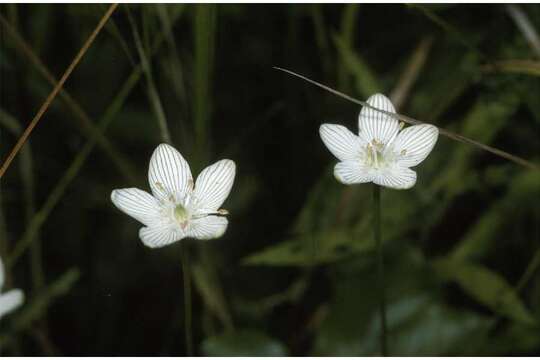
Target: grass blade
(87,125)
(55,91)
(204,28)
(151,88)
(54,197)
(411,121)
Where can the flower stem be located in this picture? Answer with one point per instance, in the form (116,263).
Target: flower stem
(380,263)
(187,299)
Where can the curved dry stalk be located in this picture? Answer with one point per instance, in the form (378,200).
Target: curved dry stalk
(411,121)
(56,89)
(87,125)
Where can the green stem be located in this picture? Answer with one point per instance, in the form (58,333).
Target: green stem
(380,263)
(187,299)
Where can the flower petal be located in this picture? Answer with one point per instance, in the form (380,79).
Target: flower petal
(414,144)
(10,300)
(137,203)
(375,125)
(208,227)
(341,142)
(214,184)
(159,235)
(396,177)
(169,173)
(352,172)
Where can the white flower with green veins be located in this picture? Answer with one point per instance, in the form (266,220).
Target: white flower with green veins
(178,208)
(380,153)
(9,300)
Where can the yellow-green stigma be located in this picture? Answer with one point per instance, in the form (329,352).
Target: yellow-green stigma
(181,215)
(375,157)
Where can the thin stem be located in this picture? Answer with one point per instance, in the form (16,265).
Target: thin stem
(151,89)
(86,123)
(380,263)
(187,299)
(56,194)
(411,121)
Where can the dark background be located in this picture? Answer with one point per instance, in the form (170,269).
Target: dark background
(295,273)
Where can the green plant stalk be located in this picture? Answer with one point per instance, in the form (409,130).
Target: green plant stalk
(86,125)
(204,31)
(380,264)
(41,216)
(151,89)
(29,236)
(204,28)
(186,276)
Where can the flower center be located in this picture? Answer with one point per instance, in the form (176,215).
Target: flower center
(375,155)
(181,215)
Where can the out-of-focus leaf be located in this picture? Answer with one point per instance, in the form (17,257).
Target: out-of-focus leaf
(262,306)
(351,327)
(524,190)
(515,339)
(38,306)
(312,249)
(204,31)
(527,67)
(243,342)
(486,287)
(419,326)
(482,123)
(365,80)
(210,292)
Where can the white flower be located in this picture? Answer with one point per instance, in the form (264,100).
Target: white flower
(10,300)
(380,153)
(178,208)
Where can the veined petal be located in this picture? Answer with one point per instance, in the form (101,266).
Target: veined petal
(375,125)
(137,203)
(10,300)
(395,177)
(414,144)
(352,172)
(341,142)
(208,227)
(214,184)
(159,235)
(169,173)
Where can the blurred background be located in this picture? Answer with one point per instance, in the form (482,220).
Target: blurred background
(295,273)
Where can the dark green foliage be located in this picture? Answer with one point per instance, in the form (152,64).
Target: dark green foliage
(295,273)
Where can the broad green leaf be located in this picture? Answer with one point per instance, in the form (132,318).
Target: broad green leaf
(419,326)
(243,342)
(312,249)
(419,322)
(486,287)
